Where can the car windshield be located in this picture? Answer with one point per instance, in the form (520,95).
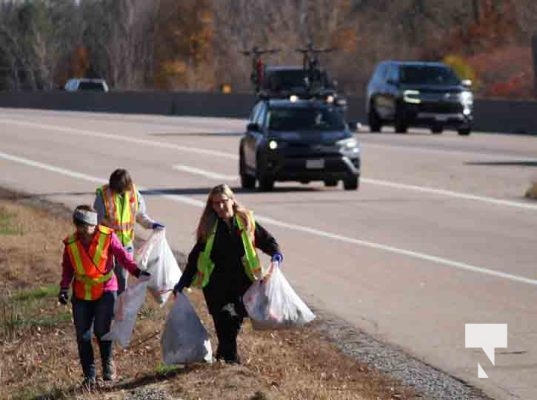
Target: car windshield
(304,119)
(427,75)
(285,79)
(91,86)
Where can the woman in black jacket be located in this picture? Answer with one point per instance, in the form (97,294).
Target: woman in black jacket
(224,263)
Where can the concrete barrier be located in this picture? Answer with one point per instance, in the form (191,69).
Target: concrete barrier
(489,115)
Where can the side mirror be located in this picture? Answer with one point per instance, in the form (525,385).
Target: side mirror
(466,83)
(252,126)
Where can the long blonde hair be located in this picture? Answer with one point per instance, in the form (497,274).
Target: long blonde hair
(209,217)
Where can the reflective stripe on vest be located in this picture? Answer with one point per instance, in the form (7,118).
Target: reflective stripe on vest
(250,260)
(89,266)
(120,211)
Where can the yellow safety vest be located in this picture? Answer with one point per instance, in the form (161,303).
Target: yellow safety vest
(250,260)
(120,212)
(90,266)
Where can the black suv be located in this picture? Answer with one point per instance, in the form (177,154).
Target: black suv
(414,93)
(298,140)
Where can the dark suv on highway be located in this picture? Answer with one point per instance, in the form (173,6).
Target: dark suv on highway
(410,93)
(300,140)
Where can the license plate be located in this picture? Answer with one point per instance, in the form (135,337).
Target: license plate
(441,118)
(315,164)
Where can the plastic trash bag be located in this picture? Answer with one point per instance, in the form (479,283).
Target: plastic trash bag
(156,257)
(272,303)
(125,311)
(185,339)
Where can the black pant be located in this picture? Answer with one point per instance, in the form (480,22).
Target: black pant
(227,323)
(93,315)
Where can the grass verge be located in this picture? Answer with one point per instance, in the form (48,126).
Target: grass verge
(39,358)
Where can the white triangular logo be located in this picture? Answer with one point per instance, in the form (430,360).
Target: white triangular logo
(480,372)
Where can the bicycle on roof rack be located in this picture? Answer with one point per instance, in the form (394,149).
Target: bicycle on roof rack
(307,81)
(315,77)
(258,66)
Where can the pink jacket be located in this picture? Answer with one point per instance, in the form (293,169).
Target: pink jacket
(116,250)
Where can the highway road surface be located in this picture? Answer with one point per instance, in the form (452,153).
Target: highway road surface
(438,235)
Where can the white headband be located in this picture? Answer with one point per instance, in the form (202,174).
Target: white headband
(88,217)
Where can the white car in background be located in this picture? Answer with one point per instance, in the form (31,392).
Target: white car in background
(86,84)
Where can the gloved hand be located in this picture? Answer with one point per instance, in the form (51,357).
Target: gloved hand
(177,289)
(277,257)
(63,297)
(158,225)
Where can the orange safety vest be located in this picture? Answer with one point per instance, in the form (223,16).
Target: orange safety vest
(120,212)
(90,266)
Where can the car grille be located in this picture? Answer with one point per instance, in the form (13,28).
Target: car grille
(440,107)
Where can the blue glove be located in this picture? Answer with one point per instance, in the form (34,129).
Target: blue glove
(277,257)
(158,225)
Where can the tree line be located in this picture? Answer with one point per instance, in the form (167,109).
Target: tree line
(197,44)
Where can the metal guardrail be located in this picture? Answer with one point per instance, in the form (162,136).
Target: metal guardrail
(489,115)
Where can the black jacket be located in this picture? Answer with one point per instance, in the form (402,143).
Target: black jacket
(228,281)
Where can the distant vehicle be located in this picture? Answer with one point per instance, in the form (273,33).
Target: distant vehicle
(86,84)
(298,140)
(280,82)
(412,93)
(308,81)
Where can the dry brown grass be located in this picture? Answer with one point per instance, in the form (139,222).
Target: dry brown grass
(38,350)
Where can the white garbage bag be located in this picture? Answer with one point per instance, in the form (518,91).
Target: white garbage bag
(185,339)
(126,309)
(272,303)
(156,257)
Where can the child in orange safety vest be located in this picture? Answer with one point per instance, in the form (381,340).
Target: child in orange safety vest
(88,266)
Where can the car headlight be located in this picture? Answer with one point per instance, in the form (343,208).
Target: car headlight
(411,96)
(349,145)
(329,98)
(273,145)
(466,98)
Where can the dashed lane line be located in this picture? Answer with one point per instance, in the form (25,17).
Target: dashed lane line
(190,149)
(295,227)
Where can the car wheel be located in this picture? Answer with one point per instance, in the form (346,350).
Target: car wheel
(464,131)
(401,125)
(266,184)
(436,129)
(351,183)
(247,181)
(375,124)
(330,182)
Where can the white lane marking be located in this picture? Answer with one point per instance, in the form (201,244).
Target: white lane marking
(449,193)
(128,139)
(299,228)
(205,173)
(51,168)
(398,251)
(222,154)
(78,175)
(448,151)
